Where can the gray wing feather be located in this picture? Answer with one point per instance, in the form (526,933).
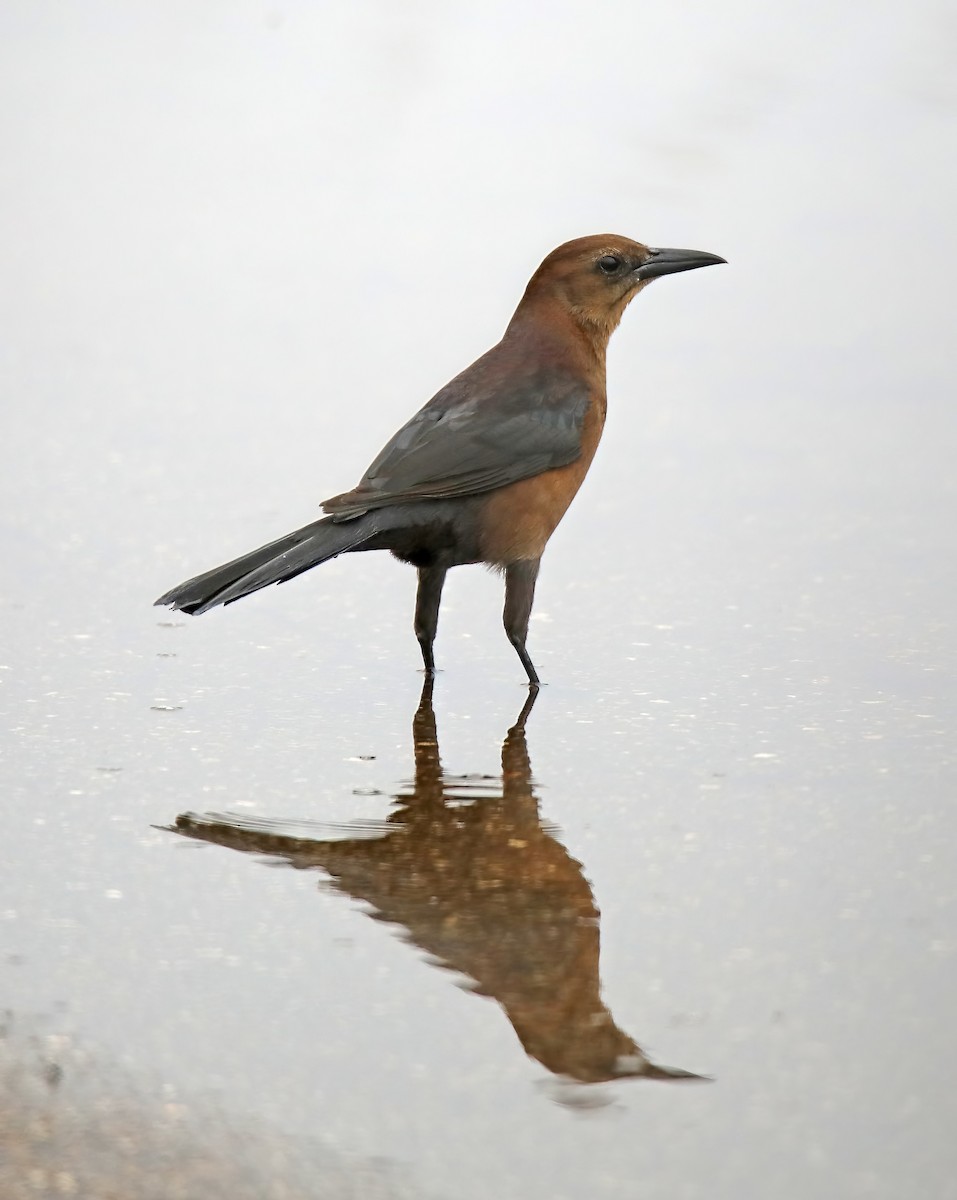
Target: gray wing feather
(468,440)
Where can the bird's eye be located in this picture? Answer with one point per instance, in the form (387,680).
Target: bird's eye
(609,263)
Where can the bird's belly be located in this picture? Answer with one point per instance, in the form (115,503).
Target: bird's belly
(519,519)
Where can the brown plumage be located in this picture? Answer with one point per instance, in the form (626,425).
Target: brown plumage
(486,470)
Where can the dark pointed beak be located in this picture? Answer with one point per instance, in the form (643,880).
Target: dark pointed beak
(667,262)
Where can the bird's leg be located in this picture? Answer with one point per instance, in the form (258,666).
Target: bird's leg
(427,601)
(519,593)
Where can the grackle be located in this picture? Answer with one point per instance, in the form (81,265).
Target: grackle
(485,471)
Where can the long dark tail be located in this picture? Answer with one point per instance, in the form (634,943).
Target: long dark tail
(273,563)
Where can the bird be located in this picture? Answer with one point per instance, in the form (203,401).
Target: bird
(485,471)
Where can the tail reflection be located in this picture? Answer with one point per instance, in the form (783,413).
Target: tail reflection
(479,884)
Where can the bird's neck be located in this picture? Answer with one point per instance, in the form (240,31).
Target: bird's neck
(561,333)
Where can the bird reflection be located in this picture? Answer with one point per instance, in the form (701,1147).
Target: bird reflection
(477,880)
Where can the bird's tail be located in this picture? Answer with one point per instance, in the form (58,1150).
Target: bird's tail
(273,563)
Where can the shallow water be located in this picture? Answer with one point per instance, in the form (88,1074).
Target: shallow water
(238,248)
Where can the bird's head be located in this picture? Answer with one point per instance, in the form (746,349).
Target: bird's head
(594,278)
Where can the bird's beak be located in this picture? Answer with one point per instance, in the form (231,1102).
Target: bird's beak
(667,262)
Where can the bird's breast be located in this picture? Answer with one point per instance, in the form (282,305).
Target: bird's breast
(517,520)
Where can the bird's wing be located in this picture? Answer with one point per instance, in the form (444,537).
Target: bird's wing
(475,435)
